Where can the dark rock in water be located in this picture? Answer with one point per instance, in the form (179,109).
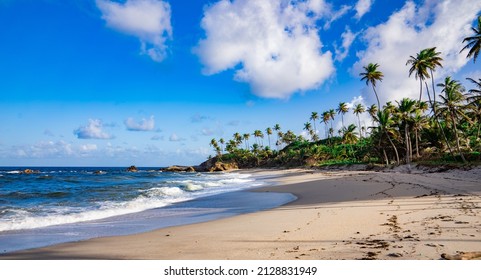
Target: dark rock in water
(176,168)
(132,168)
(99,172)
(30,171)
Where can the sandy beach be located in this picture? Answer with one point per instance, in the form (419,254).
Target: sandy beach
(396,214)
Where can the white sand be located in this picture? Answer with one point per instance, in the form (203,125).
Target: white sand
(338,215)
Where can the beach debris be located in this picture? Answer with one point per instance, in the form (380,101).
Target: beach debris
(395,255)
(463,256)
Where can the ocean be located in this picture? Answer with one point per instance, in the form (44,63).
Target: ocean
(63,204)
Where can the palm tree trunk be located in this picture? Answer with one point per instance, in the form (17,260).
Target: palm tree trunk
(417,144)
(377,98)
(433,108)
(393,146)
(457,138)
(360,133)
(420,89)
(406,137)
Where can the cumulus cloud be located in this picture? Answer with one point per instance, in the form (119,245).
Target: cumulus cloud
(272,45)
(143,125)
(148,20)
(347,39)
(362,7)
(441,24)
(93,130)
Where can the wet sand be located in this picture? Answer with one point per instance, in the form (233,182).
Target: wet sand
(400,214)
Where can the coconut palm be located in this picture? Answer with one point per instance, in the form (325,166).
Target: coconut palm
(419,122)
(359,109)
(350,136)
(332,114)
(404,112)
(473,42)
(314,118)
(269,133)
(385,120)
(452,105)
(341,110)
(475,102)
(246,137)
(258,134)
(372,111)
(372,75)
(325,119)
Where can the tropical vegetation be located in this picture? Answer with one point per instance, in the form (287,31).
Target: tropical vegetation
(444,127)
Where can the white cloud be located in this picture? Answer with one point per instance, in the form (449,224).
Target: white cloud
(272,45)
(362,7)
(441,24)
(92,131)
(143,125)
(149,20)
(347,39)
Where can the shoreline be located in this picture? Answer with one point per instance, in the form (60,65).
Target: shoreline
(338,215)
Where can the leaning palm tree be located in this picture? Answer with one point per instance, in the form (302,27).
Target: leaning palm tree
(385,120)
(349,135)
(359,109)
(473,42)
(341,110)
(475,102)
(420,68)
(372,110)
(372,75)
(246,137)
(451,107)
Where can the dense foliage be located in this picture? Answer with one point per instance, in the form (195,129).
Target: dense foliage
(446,126)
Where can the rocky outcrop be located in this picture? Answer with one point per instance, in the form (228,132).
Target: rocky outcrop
(30,171)
(132,168)
(176,168)
(213,164)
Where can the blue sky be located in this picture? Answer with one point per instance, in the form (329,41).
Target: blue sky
(150,82)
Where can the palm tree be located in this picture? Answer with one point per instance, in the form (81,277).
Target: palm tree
(332,113)
(215,145)
(452,105)
(384,118)
(419,123)
(222,142)
(314,117)
(246,137)
(419,66)
(372,75)
(277,128)
(474,42)
(325,120)
(269,133)
(350,136)
(404,112)
(359,109)
(372,110)
(475,101)
(237,138)
(258,134)
(341,110)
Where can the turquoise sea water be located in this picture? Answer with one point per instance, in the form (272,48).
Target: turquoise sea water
(56,205)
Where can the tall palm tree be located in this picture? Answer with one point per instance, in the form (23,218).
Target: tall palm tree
(277,128)
(222,142)
(332,113)
(359,109)
(341,110)
(314,118)
(258,134)
(420,68)
(372,75)
(474,42)
(420,122)
(246,137)
(269,133)
(308,128)
(325,119)
(237,138)
(451,106)
(404,112)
